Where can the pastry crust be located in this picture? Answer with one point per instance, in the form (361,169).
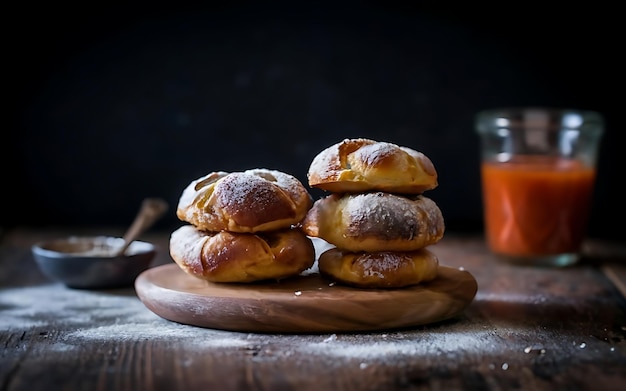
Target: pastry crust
(376,221)
(379,269)
(359,165)
(241,257)
(249,201)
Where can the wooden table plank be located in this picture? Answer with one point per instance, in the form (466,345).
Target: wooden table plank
(528,328)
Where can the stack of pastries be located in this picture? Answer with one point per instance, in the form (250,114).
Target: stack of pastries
(243,227)
(376,216)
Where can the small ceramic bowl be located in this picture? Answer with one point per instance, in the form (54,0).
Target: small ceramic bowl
(91,263)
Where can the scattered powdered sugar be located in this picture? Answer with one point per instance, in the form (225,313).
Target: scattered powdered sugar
(539,349)
(243,191)
(27,307)
(332,337)
(257,189)
(383,346)
(162,330)
(60,347)
(98,316)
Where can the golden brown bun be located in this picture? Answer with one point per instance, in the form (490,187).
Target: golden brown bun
(358,165)
(379,269)
(376,221)
(249,201)
(241,257)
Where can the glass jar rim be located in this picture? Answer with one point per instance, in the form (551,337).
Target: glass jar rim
(549,118)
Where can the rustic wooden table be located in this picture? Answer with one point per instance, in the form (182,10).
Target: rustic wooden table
(527,328)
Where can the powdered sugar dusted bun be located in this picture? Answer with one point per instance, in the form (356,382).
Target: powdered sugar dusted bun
(379,269)
(358,165)
(375,221)
(241,257)
(249,201)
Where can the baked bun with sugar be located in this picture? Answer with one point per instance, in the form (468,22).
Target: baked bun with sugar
(249,201)
(379,269)
(375,221)
(241,257)
(358,165)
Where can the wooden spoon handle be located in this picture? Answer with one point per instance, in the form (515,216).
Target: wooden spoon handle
(151,210)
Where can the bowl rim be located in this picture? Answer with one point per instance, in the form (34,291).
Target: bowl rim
(136,248)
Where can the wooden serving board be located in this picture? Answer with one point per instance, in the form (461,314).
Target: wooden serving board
(303,304)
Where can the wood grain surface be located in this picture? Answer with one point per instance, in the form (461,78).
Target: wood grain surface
(302,304)
(527,328)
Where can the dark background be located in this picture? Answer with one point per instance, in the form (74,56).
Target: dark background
(109,103)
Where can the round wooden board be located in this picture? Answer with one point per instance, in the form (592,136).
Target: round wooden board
(303,304)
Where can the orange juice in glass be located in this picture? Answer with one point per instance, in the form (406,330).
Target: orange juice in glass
(538,172)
